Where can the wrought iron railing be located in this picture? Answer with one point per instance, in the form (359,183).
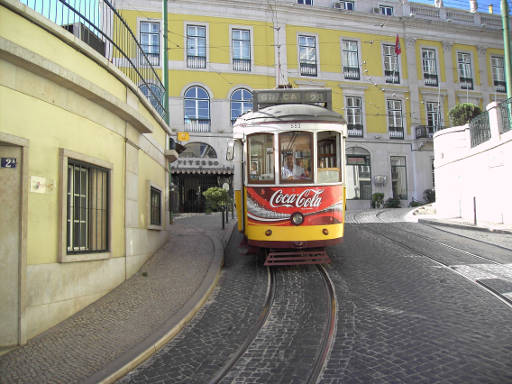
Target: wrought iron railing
(197,125)
(479,129)
(355,130)
(99,24)
(242,65)
(307,69)
(351,73)
(425,131)
(196,62)
(466,82)
(392,77)
(396,132)
(430,79)
(505,108)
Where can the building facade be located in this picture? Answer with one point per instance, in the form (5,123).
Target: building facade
(394,84)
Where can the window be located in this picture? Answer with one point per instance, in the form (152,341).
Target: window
(391,68)
(155,96)
(386,10)
(150,41)
(399,177)
(305,2)
(429,67)
(395,124)
(155,207)
(354,116)
(199,151)
(328,150)
(261,158)
(85,225)
(307,55)
(241,102)
(241,45)
(358,180)
(295,150)
(346,5)
(498,73)
(350,60)
(197,110)
(465,72)
(196,46)
(433,117)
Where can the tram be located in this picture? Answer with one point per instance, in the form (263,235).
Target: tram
(289,161)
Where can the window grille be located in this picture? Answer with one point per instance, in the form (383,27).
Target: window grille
(87,208)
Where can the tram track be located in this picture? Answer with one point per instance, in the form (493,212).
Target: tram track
(504,299)
(265,328)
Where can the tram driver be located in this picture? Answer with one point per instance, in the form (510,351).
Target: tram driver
(291,170)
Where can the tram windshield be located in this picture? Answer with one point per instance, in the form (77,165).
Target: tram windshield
(329,159)
(295,150)
(261,158)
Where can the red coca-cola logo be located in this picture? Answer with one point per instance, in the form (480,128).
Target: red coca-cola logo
(308,198)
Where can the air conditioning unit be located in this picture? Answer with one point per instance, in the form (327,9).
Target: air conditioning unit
(338,6)
(87,36)
(376,11)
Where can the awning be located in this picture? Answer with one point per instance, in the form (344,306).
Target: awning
(202,171)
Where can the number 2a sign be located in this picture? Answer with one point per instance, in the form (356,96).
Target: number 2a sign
(8,162)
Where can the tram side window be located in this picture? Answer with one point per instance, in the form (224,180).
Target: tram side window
(295,156)
(329,169)
(261,158)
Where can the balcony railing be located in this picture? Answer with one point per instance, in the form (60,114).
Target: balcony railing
(396,132)
(466,82)
(480,129)
(196,62)
(355,130)
(197,125)
(430,79)
(506,114)
(102,27)
(242,65)
(392,77)
(351,73)
(307,69)
(425,131)
(501,86)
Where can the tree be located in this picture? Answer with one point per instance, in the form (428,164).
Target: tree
(463,113)
(216,197)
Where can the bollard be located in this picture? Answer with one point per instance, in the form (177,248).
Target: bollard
(222,219)
(227,216)
(474,211)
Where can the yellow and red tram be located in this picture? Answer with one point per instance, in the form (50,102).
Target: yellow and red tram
(289,157)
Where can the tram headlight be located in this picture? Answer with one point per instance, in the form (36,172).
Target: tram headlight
(297,218)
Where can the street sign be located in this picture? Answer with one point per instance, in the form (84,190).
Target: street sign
(183,136)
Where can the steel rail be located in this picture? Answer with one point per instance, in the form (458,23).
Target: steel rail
(262,318)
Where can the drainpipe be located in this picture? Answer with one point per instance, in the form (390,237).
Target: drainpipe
(165,77)
(506,43)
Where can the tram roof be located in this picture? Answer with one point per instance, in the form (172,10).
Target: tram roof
(292,112)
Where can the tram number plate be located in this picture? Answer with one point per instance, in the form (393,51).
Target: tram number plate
(8,162)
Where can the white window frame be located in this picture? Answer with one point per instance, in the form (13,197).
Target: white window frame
(317,53)
(470,66)
(436,114)
(361,110)
(388,110)
(305,2)
(358,53)
(64,157)
(498,75)
(186,24)
(386,10)
(251,44)
(384,55)
(343,5)
(160,38)
(436,64)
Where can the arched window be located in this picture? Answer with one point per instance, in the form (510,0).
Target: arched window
(155,95)
(359,174)
(197,110)
(199,150)
(241,102)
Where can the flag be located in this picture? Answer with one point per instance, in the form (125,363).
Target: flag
(397,46)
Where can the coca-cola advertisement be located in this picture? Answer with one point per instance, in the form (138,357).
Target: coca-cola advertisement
(275,205)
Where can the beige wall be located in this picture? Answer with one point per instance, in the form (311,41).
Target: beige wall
(99,115)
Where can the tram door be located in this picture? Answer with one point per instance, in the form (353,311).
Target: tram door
(10,243)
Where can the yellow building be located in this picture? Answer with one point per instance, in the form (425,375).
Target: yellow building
(394,98)
(83,177)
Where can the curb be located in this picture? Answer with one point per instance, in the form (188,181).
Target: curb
(170,328)
(463,226)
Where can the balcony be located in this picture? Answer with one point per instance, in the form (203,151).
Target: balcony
(501,86)
(392,77)
(197,125)
(396,132)
(307,69)
(242,65)
(466,82)
(425,131)
(351,73)
(196,62)
(430,80)
(355,130)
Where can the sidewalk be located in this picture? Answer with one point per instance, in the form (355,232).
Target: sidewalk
(105,340)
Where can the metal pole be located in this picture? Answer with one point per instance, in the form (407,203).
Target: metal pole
(165,78)
(506,43)
(474,211)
